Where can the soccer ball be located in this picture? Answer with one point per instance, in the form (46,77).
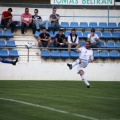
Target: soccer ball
(28,44)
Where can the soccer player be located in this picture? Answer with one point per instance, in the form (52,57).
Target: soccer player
(85,56)
(8,61)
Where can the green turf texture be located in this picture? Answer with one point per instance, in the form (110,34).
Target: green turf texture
(102,101)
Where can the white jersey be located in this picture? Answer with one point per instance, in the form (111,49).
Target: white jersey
(86,54)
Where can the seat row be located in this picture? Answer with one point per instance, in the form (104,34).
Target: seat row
(84,35)
(85,25)
(55,54)
(6,34)
(8,43)
(9,53)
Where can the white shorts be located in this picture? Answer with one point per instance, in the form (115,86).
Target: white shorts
(82,65)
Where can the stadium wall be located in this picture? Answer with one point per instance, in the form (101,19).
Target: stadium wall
(59,71)
(71,15)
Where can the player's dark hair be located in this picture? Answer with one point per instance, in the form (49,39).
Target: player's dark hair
(88,42)
(54,8)
(60,30)
(10,9)
(43,28)
(92,30)
(36,10)
(26,9)
(73,29)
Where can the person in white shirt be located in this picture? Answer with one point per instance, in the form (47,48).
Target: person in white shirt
(94,39)
(73,40)
(85,56)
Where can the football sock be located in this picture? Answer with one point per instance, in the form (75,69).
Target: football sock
(76,62)
(85,80)
(7,61)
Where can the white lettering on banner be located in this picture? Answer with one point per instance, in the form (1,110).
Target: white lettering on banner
(82,2)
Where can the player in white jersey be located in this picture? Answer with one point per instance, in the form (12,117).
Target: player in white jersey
(85,56)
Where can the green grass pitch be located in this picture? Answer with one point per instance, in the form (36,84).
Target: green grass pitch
(59,100)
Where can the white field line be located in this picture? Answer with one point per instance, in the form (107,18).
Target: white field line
(49,108)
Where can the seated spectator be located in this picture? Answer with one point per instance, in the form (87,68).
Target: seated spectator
(54,18)
(44,39)
(6,20)
(60,40)
(8,61)
(73,40)
(26,19)
(94,39)
(38,21)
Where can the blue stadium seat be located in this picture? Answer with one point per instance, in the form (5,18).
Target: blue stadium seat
(64,54)
(112,25)
(2,43)
(99,34)
(84,25)
(74,54)
(102,44)
(114,54)
(65,25)
(1,35)
(85,35)
(79,35)
(67,34)
(106,35)
(96,54)
(117,44)
(103,25)
(10,43)
(104,54)
(52,44)
(51,34)
(74,25)
(56,32)
(37,34)
(4,53)
(55,54)
(93,25)
(7,34)
(82,43)
(110,44)
(119,25)
(45,54)
(115,35)
(13,53)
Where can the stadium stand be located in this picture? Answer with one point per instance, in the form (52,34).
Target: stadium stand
(74,25)
(114,54)
(2,43)
(104,54)
(10,43)
(4,53)
(64,54)
(93,25)
(13,54)
(110,44)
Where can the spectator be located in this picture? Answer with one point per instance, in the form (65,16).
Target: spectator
(54,18)
(26,19)
(44,39)
(60,40)
(6,20)
(73,40)
(38,21)
(8,61)
(94,39)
